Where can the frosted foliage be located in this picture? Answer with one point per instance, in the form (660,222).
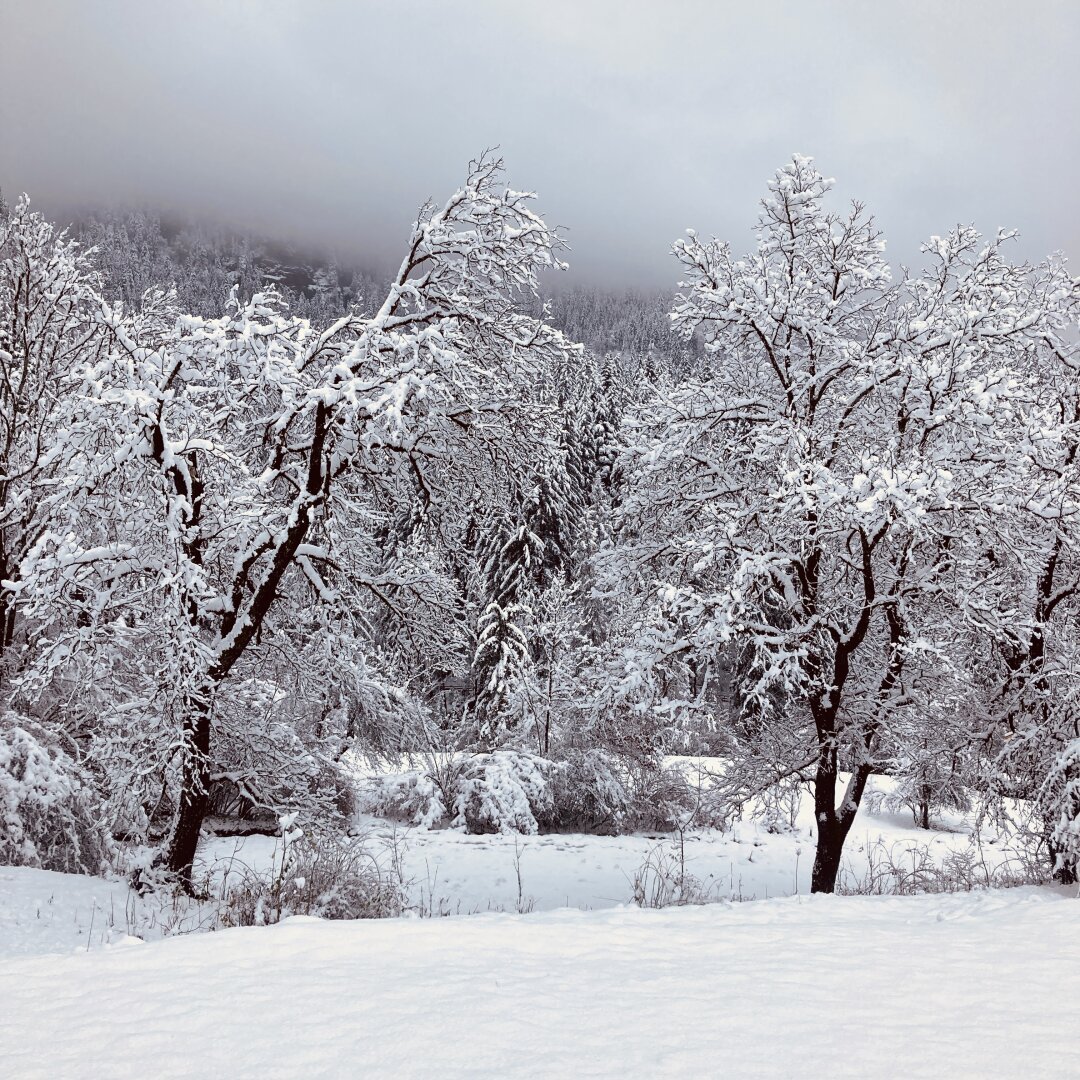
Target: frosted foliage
(512,791)
(841,508)
(505,791)
(47,807)
(412,796)
(822,526)
(227,488)
(47,330)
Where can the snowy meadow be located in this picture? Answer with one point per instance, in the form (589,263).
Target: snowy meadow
(597,955)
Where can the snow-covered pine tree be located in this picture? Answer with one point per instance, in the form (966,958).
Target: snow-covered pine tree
(521,557)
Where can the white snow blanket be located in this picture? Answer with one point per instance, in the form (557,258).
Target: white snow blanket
(971,985)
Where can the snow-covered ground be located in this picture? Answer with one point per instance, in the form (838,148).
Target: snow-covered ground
(975,984)
(45,912)
(449,872)
(972,985)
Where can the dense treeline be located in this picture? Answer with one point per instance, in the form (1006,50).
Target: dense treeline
(136,251)
(255,516)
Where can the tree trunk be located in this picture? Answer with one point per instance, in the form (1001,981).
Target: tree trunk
(7,622)
(1065,874)
(1063,868)
(833,825)
(829,842)
(827,858)
(194,795)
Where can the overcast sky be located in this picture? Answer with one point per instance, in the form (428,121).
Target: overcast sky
(332,120)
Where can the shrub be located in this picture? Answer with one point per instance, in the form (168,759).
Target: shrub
(663,798)
(591,793)
(1058,803)
(906,869)
(505,791)
(264,764)
(662,881)
(49,812)
(923,791)
(413,796)
(514,791)
(329,878)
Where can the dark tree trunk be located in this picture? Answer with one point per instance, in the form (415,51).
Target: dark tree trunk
(830,841)
(830,845)
(195,794)
(1065,873)
(7,627)
(7,619)
(7,611)
(833,825)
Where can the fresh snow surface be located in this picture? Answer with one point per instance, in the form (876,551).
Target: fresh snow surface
(46,912)
(978,984)
(449,872)
(971,985)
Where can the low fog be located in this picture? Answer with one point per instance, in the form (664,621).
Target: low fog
(328,123)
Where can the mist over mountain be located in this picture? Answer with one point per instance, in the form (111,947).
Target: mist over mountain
(328,124)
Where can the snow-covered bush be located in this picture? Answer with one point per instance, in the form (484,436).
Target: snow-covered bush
(267,762)
(326,877)
(926,786)
(505,791)
(49,812)
(598,791)
(592,793)
(664,798)
(587,790)
(413,796)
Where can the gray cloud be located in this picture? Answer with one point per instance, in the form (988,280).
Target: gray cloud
(332,121)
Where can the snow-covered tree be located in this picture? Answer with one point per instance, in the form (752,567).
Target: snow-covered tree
(1032,663)
(47,328)
(522,557)
(222,474)
(824,498)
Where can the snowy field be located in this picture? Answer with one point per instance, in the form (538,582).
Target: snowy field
(973,985)
(551,969)
(448,872)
